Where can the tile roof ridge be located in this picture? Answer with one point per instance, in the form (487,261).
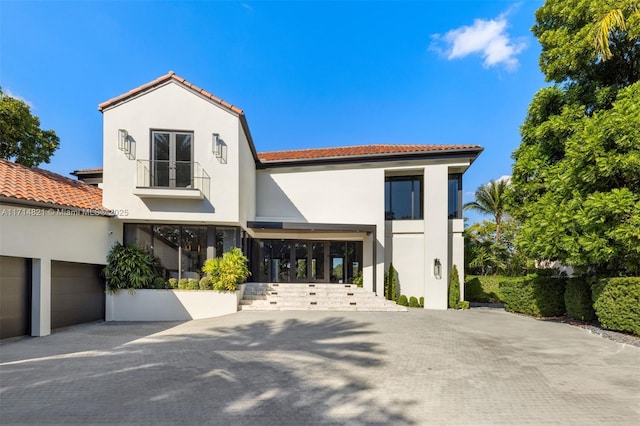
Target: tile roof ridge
(171,75)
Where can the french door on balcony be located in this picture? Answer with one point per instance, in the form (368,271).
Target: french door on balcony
(172,159)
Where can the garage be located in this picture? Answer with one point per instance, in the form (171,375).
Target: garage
(15,296)
(77,293)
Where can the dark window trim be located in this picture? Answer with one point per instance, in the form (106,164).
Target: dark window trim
(411,179)
(457,176)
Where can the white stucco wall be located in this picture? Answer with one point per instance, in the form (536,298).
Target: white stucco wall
(47,234)
(404,246)
(339,195)
(172,107)
(171,305)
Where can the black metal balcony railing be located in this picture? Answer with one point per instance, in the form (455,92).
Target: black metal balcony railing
(166,174)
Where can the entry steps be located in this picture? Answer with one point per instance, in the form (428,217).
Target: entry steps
(313,297)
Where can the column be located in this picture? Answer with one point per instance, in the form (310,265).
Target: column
(41,297)
(436,238)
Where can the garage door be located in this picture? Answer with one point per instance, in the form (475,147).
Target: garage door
(77,293)
(15,296)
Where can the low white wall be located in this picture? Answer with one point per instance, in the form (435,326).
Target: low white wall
(171,305)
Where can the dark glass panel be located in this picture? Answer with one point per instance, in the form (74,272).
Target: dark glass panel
(402,197)
(194,250)
(160,160)
(184,166)
(337,261)
(166,240)
(280,261)
(301,253)
(317,260)
(454,207)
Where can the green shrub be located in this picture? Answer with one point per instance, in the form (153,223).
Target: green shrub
(617,303)
(538,296)
(159,283)
(454,288)
(463,305)
(193,284)
(578,300)
(358,280)
(183,284)
(484,288)
(422,302)
(128,267)
(391,284)
(173,283)
(402,300)
(205,283)
(228,272)
(413,302)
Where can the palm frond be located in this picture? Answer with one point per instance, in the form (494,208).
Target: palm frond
(612,21)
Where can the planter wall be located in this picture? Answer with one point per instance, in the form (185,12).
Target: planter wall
(171,305)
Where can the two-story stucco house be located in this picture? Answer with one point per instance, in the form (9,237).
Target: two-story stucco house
(182,169)
(182,178)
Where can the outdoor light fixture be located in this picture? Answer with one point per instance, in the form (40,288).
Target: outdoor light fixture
(122,140)
(216,145)
(437,268)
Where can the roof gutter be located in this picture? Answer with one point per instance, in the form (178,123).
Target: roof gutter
(56,209)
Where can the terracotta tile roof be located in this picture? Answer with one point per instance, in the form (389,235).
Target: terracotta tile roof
(42,186)
(93,170)
(163,79)
(360,150)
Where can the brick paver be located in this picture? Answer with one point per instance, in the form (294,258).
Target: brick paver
(296,368)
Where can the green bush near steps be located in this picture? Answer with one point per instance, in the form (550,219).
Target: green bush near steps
(402,300)
(422,302)
(538,296)
(617,303)
(578,299)
(413,302)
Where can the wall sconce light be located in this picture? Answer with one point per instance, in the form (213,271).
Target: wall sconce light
(216,145)
(437,268)
(122,140)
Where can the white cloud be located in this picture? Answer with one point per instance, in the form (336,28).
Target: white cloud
(8,92)
(247,6)
(489,38)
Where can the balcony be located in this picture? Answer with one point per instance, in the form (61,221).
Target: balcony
(171,179)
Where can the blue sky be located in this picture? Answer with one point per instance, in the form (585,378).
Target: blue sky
(307,74)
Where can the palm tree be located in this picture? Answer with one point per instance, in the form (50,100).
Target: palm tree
(614,20)
(491,200)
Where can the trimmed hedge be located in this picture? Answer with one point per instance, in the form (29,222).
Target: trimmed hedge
(484,288)
(534,295)
(402,300)
(577,299)
(617,303)
(413,302)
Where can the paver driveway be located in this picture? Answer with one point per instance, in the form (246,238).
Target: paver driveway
(273,368)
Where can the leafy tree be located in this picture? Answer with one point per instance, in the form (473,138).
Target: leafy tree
(576,177)
(490,199)
(21,138)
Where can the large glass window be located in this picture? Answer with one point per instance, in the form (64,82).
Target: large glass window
(455,196)
(181,250)
(403,198)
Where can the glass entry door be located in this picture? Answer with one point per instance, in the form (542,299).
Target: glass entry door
(171,159)
(307,261)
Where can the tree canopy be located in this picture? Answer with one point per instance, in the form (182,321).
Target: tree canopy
(21,138)
(576,176)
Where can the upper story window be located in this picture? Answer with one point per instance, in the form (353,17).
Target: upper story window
(403,198)
(171,159)
(455,196)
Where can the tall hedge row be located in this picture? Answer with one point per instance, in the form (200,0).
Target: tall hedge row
(617,303)
(577,299)
(538,296)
